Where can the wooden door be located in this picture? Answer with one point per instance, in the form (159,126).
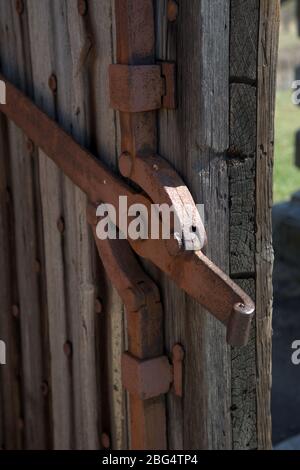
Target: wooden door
(62,321)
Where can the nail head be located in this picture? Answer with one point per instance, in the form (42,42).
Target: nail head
(19,7)
(52,82)
(172,11)
(82,7)
(105,440)
(68,349)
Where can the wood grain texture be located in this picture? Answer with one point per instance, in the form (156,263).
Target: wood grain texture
(220,139)
(267,61)
(194,139)
(11,434)
(242,217)
(243,104)
(42,57)
(244,407)
(34,419)
(244,27)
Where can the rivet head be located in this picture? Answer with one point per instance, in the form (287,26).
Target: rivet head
(37,266)
(19,7)
(68,349)
(61,225)
(45,388)
(52,82)
(105,440)
(98,306)
(82,7)
(15,310)
(30,146)
(8,196)
(172,11)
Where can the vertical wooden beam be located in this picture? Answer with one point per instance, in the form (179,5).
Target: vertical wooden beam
(244,27)
(34,418)
(194,138)
(267,62)
(11,433)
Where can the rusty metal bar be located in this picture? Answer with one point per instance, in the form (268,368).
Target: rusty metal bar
(145,332)
(135,46)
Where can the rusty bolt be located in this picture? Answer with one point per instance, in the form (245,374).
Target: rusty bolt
(8,196)
(68,349)
(82,7)
(19,7)
(125,164)
(15,310)
(37,266)
(98,306)
(45,388)
(52,82)
(30,146)
(105,440)
(61,225)
(172,10)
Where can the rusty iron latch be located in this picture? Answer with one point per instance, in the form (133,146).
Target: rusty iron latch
(191,270)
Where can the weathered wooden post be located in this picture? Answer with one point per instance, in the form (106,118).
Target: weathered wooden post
(62,321)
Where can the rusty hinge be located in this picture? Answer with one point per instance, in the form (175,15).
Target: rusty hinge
(150,378)
(139,88)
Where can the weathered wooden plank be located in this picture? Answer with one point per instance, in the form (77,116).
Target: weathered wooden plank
(243,39)
(77,50)
(11,435)
(26,242)
(268,46)
(81,314)
(243,407)
(99,28)
(194,138)
(244,24)
(42,58)
(242,217)
(243,105)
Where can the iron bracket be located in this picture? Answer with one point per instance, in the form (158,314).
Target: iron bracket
(153,377)
(141,88)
